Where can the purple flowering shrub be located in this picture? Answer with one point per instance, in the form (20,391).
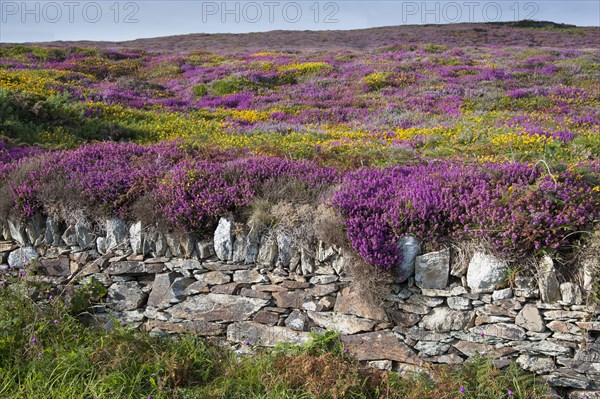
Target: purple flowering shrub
(99,174)
(264,169)
(515,207)
(189,187)
(107,176)
(16,165)
(10,154)
(544,213)
(195,193)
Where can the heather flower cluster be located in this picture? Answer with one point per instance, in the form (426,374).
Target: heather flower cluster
(9,154)
(515,207)
(107,175)
(196,192)
(190,188)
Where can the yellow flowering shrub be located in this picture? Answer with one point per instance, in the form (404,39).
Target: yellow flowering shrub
(305,68)
(31,81)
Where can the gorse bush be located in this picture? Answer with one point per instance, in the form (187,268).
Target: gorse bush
(376,80)
(200,90)
(229,85)
(53,120)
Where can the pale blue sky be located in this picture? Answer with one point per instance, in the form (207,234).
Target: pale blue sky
(124,20)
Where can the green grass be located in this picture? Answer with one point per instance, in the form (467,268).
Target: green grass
(46,352)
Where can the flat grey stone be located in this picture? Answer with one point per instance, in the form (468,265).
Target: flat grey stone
(432,269)
(17,232)
(126,295)
(459,303)
(428,301)
(138,243)
(536,364)
(52,235)
(217,307)
(249,276)
(548,348)
(160,289)
(60,266)
(380,345)
(446,319)
(307,262)
(213,278)
(22,257)
(385,365)
(349,302)
(116,234)
(84,236)
(430,348)
(196,327)
(502,330)
(297,320)
(286,247)
(569,379)
(547,281)
(410,248)
(205,249)
(174,245)
(264,335)
(134,268)
(485,272)
(35,228)
(324,279)
(498,295)
(571,294)
(530,319)
(267,251)
(345,324)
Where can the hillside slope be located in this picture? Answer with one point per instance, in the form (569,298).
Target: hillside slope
(522,34)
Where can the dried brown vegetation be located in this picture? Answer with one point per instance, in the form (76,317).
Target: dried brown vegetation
(329,376)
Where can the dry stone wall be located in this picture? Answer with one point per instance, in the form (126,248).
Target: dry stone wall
(260,289)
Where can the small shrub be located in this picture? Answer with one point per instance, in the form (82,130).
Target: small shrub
(376,80)
(86,296)
(371,285)
(194,194)
(229,85)
(435,48)
(200,90)
(260,216)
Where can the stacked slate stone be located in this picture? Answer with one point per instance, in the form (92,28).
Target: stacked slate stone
(260,289)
